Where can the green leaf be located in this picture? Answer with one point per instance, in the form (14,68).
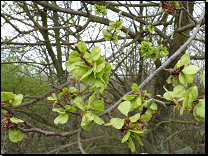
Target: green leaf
(98,120)
(138,139)
(100,74)
(88,57)
(199,109)
(112,25)
(98,83)
(100,67)
(74,57)
(129,97)
(178,91)
(190,95)
(16,135)
(138,101)
(82,46)
(126,136)
(193,94)
(168,95)
(183,61)
(107,35)
(107,68)
(203,79)
(87,118)
(135,117)
(65,90)
(90,80)
(153,106)
(117,123)
(146,117)
(17,99)
(87,127)
(70,108)
(133,105)
(99,104)
(124,107)
(108,124)
(83,89)
(182,78)
(87,73)
(191,69)
(135,87)
(16,120)
(95,53)
(61,119)
(190,78)
(78,101)
(59,110)
(72,89)
(6,96)
(91,98)
(169,80)
(72,66)
(137,131)
(131,145)
(79,71)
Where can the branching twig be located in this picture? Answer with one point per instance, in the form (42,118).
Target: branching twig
(14,114)
(169,60)
(40,97)
(79,143)
(47,133)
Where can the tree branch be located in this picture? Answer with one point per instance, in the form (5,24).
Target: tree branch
(169,60)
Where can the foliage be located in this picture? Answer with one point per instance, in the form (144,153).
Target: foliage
(114,29)
(91,69)
(148,51)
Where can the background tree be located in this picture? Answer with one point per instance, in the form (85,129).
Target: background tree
(37,38)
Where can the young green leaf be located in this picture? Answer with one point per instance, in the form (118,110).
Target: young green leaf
(138,139)
(178,91)
(135,87)
(189,77)
(116,122)
(17,100)
(96,51)
(129,97)
(16,120)
(15,135)
(83,89)
(61,119)
(191,69)
(6,96)
(126,136)
(124,107)
(98,120)
(131,145)
(135,117)
(183,61)
(203,79)
(82,46)
(87,127)
(72,89)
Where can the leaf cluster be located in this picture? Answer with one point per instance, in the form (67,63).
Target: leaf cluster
(96,75)
(148,51)
(114,29)
(100,9)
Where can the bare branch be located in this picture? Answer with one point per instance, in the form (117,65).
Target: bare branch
(80,144)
